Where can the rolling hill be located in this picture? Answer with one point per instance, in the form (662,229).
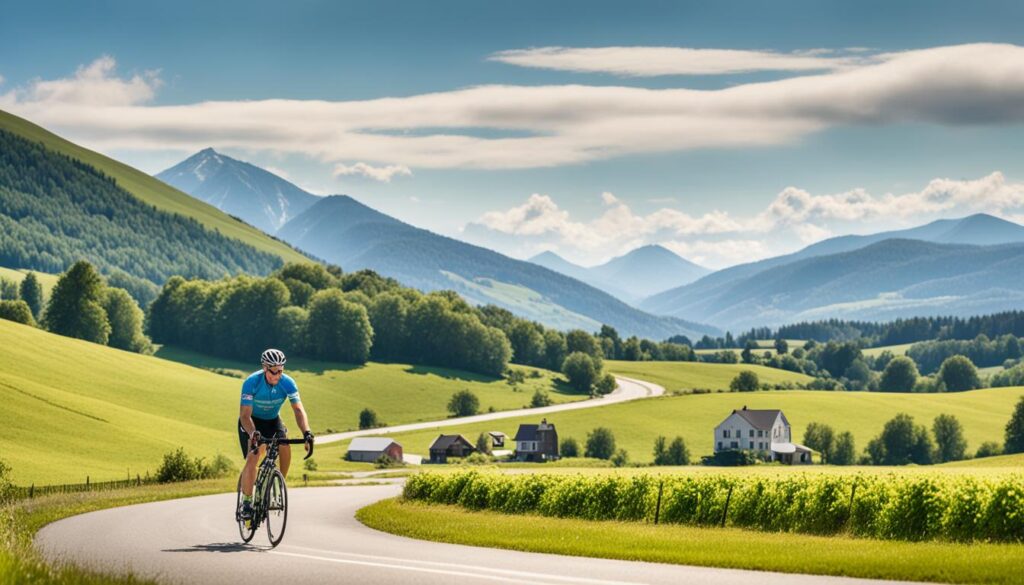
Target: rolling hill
(956,267)
(346,232)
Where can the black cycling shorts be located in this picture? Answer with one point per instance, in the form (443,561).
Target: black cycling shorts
(267,428)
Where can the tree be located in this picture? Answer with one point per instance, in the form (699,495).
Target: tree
(389,314)
(555,349)
(844,452)
(32,293)
(290,326)
(569,448)
(677,453)
(463,403)
(958,374)
(579,368)
(660,450)
(620,458)
(821,438)
(1014,440)
(579,340)
(527,343)
(8,290)
(605,384)
(540,398)
(900,375)
(74,309)
(600,443)
(745,381)
(368,419)
(125,318)
(988,449)
(483,443)
(949,438)
(923,450)
(17,311)
(781,346)
(631,350)
(902,442)
(747,355)
(339,330)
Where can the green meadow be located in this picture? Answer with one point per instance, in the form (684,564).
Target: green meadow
(686,376)
(153,191)
(78,409)
(983,414)
(48,281)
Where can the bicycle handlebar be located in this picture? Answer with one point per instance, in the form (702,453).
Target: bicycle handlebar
(279,441)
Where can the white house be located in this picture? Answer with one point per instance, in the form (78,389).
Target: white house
(764,431)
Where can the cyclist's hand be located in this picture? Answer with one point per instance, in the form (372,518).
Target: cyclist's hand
(254,439)
(308,436)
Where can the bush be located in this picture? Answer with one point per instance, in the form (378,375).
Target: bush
(178,466)
(463,403)
(1014,438)
(6,487)
(605,385)
(900,375)
(989,449)
(483,443)
(540,398)
(17,311)
(600,443)
(958,374)
(579,368)
(368,419)
(569,448)
(745,381)
(621,458)
(310,465)
(729,458)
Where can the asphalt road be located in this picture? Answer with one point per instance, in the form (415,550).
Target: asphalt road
(628,389)
(195,540)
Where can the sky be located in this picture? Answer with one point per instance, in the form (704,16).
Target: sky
(725,131)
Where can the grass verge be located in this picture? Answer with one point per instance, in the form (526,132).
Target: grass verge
(711,547)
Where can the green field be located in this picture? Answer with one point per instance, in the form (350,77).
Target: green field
(77,408)
(153,191)
(48,281)
(684,376)
(983,414)
(900,349)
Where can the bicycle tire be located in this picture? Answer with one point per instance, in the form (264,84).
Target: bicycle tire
(276,508)
(246,529)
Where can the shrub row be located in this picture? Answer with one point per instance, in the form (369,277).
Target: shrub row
(891,506)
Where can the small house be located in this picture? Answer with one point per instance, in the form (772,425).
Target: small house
(537,442)
(445,446)
(497,439)
(373,448)
(766,432)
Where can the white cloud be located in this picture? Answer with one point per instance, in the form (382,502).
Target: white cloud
(793,219)
(555,125)
(656,61)
(382,174)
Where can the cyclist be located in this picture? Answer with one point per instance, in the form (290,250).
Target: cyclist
(263,393)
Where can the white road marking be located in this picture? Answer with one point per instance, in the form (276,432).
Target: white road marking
(464,570)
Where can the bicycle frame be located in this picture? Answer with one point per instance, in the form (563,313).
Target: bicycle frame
(266,468)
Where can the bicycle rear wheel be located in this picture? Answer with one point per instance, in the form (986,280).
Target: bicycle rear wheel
(246,528)
(276,506)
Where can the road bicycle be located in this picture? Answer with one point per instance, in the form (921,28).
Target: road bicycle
(270,495)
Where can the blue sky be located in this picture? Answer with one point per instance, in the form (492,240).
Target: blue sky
(709,197)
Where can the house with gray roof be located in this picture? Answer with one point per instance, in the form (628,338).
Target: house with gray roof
(765,432)
(536,442)
(445,446)
(373,448)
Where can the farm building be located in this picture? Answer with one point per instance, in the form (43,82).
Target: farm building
(373,448)
(445,446)
(497,438)
(537,442)
(766,432)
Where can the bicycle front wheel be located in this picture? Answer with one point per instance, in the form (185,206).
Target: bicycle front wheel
(276,508)
(246,528)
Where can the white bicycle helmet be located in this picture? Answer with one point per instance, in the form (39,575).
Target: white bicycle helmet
(273,357)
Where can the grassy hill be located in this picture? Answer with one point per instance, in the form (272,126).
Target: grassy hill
(76,408)
(48,281)
(684,376)
(153,191)
(983,414)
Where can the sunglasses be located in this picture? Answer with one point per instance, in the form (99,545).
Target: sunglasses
(276,372)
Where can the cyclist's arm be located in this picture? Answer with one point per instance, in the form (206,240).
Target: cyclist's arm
(245,415)
(300,416)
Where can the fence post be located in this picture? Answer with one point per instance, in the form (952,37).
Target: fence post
(305,478)
(138,479)
(657,508)
(87,483)
(849,513)
(725,512)
(32,491)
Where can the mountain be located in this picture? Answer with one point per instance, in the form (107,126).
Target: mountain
(258,197)
(631,277)
(686,301)
(152,191)
(882,281)
(344,231)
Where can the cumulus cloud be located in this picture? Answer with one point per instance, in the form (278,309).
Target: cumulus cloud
(383,174)
(551,125)
(656,61)
(792,219)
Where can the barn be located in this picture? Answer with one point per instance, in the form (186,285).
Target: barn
(373,448)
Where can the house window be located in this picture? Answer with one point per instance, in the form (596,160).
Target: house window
(760,433)
(725,434)
(751,432)
(751,444)
(719,445)
(734,444)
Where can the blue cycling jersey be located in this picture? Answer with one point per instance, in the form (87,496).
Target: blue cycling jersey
(266,400)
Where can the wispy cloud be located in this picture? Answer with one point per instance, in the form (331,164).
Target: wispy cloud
(794,218)
(383,174)
(561,124)
(658,61)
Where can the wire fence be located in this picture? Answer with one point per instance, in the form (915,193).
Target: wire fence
(33,491)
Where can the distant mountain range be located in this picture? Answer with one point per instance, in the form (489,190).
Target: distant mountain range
(643,272)
(343,231)
(950,267)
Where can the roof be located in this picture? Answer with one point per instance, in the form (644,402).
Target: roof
(371,444)
(496,434)
(526,433)
(789,448)
(445,441)
(759,419)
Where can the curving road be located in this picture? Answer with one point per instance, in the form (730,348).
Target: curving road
(628,389)
(195,540)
